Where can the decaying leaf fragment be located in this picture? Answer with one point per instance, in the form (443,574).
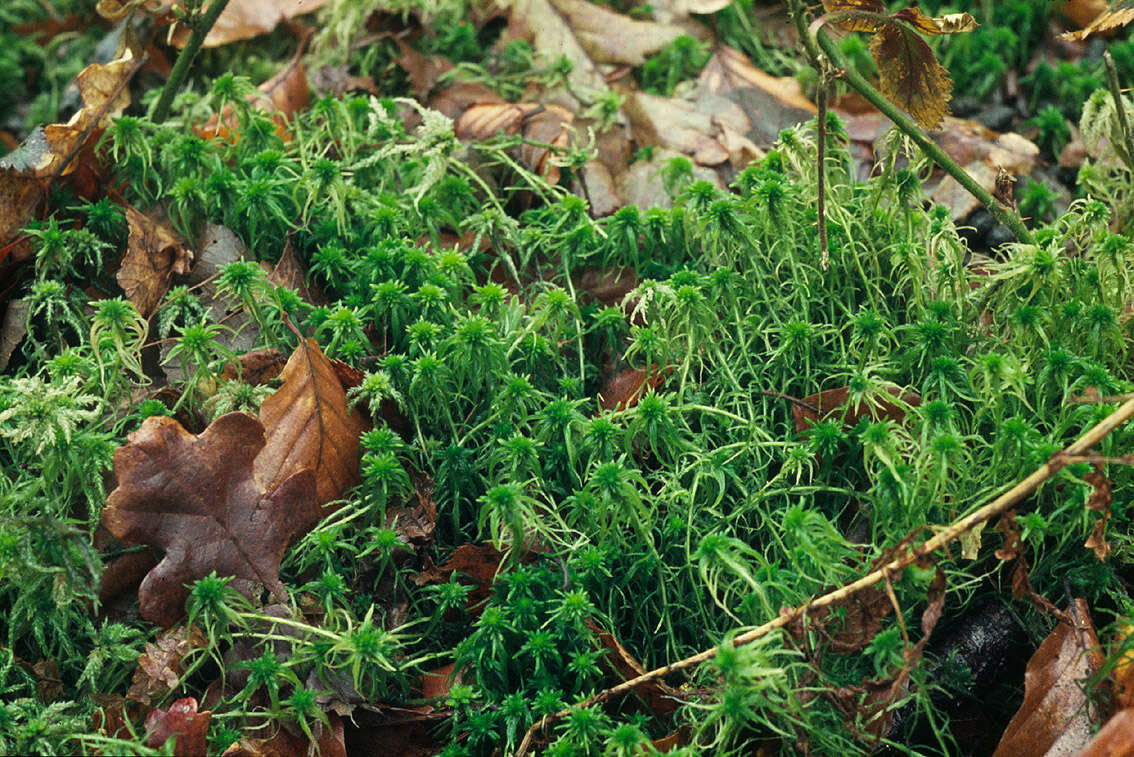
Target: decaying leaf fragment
(159,666)
(197,500)
(155,253)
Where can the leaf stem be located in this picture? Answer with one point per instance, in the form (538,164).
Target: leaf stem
(185,59)
(915,132)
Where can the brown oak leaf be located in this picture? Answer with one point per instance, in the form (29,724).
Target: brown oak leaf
(309,426)
(197,500)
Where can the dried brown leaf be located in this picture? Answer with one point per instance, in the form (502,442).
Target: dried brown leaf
(256,367)
(623,390)
(155,253)
(245,19)
(909,74)
(290,741)
(610,37)
(1118,15)
(1055,717)
(480,562)
(829,401)
(181,722)
(290,273)
(1123,673)
(424,72)
(281,96)
(437,682)
(729,70)
(1114,739)
(197,500)
(309,426)
(861,617)
(677,124)
(1100,502)
(415,521)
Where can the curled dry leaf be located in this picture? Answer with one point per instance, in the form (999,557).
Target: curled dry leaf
(1099,501)
(1116,16)
(183,723)
(154,253)
(1055,717)
(49,151)
(197,500)
(309,426)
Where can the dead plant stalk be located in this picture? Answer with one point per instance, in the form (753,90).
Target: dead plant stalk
(1001,504)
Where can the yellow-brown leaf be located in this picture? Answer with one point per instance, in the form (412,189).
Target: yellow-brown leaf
(910,76)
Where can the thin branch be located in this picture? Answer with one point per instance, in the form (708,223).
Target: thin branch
(1001,504)
(185,59)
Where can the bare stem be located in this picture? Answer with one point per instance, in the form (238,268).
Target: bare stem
(821,174)
(1119,110)
(185,59)
(998,506)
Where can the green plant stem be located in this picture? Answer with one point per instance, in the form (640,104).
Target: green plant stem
(906,124)
(185,59)
(887,572)
(1119,109)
